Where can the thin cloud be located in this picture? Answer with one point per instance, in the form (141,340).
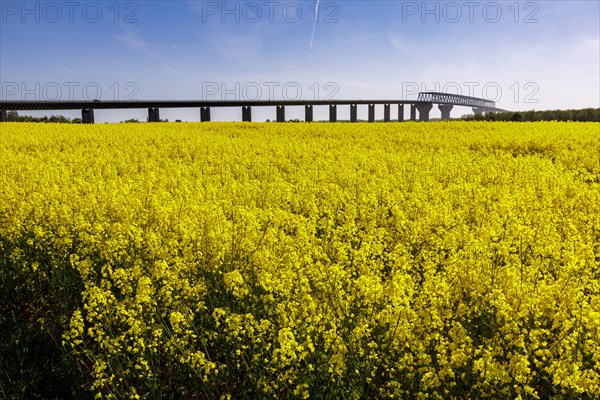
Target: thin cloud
(402,45)
(236,47)
(357,38)
(137,44)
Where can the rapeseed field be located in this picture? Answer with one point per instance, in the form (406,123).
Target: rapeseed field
(319,260)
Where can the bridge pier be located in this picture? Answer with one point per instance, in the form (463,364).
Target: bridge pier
(371,112)
(280,113)
(424,109)
(246,114)
(308,113)
(332,113)
(204,114)
(153,115)
(353,113)
(401,112)
(478,110)
(445,109)
(87,116)
(413,112)
(3,116)
(386,112)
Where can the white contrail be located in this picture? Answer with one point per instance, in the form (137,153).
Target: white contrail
(312,36)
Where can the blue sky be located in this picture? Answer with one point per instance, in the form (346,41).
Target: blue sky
(523,54)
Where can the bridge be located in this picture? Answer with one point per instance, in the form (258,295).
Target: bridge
(423,105)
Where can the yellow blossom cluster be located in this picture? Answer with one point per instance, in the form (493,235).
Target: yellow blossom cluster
(247,260)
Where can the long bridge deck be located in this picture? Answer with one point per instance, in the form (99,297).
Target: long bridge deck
(423,104)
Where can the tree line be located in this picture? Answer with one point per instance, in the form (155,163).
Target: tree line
(13,116)
(581,115)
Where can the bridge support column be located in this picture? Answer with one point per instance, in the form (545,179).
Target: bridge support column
(332,113)
(280,113)
(87,116)
(386,112)
(3,116)
(424,109)
(371,112)
(308,113)
(246,114)
(413,112)
(401,112)
(204,114)
(445,109)
(153,115)
(478,110)
(353,113)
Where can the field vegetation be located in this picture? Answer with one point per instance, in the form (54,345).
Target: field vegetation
(248,260)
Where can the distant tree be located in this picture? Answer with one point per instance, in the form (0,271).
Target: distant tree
(588,115)
(530,116)
(59,119)
(12,115)
(547,115)
(490,116)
